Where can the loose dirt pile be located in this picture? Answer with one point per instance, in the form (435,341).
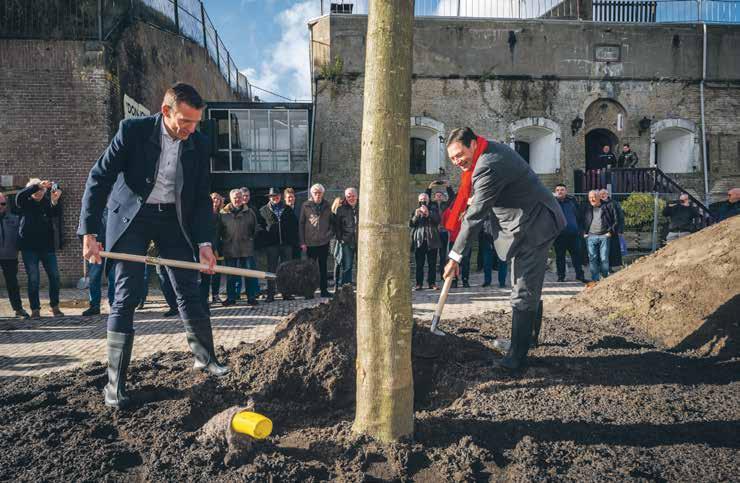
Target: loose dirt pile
(687,295)
(598,402)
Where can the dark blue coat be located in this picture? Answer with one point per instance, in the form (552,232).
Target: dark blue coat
(127,172)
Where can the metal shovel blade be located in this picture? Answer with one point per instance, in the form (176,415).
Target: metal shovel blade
(434,329)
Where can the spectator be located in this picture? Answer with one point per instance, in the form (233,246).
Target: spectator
(95,275)
(628,158)
(606,158)
(217,204)
(279,232)
(615,245)
(599,221)
(345,230)
(569,238)
(237,229)
(289,197)
(39,204)
(334,244)
(425,240)
(684,218)
(731,207)
(315,231)
(442,201)
(9,256)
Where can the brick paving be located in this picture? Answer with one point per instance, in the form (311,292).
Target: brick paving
(34,347)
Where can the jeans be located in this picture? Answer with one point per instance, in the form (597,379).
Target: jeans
(166,287)
(321,254)
(232,281)
(10,272)
(598,256)
(347,260)
(95,277)
(444,250)
(164,229)
(422,254)
(31,259)
(277,254)
(568,242)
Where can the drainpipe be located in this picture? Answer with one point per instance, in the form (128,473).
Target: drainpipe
(701,100)
(313,102)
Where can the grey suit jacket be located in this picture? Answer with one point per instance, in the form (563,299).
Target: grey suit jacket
(522,211)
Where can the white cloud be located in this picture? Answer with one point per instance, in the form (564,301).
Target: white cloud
(287,68)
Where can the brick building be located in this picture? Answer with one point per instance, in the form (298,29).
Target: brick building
(557,88)
(62,91)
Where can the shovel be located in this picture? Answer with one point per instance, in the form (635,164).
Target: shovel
(440,306)
(240,272)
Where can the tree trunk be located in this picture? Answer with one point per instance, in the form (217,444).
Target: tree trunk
(385,392)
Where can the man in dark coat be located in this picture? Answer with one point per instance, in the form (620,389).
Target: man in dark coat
(278,236)
(9,256)
(155,176)
(424,225)
(628,158)
(570,238)
(615,246)
(498,184)
(345,231)
(684,218)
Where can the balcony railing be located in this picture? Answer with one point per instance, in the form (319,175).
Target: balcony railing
(623,11)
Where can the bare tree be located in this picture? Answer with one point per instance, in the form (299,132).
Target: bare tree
(385,392)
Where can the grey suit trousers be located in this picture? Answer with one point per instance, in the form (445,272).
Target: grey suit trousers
(528,275)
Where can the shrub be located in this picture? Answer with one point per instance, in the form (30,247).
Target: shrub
(638,211)
(332,70)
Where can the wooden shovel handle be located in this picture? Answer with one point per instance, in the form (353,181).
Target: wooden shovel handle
(443,297)
(240,272)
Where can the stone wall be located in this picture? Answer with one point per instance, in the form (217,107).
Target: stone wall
(490,74)
(62,102)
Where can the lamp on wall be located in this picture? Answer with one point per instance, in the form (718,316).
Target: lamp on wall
(644,125)
(575,125)
(441,139)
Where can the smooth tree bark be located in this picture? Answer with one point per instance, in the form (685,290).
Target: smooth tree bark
(385,392)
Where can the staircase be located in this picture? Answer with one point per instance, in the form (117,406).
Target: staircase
(631,180)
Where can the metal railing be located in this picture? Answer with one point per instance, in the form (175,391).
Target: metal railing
(98,19)
(606,11)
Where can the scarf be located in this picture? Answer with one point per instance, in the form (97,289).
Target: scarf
(453,216)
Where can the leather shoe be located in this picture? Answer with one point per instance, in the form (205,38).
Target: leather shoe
(227,303)
(56,312)
(171,312)
(22,314)
(91,311)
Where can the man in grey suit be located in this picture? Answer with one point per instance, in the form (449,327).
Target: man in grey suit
(525,217)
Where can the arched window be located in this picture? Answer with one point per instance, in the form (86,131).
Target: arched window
(537,140)
(675,146)
(418,156)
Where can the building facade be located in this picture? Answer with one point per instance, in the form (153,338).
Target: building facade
(555,90)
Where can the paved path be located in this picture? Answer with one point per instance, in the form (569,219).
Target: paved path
(39,346)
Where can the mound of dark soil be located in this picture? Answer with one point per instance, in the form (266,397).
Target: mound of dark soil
(598,402)
(686,295)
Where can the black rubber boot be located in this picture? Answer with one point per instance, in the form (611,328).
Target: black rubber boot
(200,340)
(119,355)
(536,327)
(521,331)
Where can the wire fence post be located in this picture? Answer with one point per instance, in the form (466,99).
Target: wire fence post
(458,8)
(100,20)
(228,66)
(218,54)
(203,24)
(177,16)
(655,222)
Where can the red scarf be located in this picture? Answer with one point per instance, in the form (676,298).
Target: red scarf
(453,216)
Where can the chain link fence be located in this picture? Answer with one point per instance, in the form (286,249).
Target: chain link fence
(99,19)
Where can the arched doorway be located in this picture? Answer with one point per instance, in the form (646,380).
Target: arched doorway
(595,142)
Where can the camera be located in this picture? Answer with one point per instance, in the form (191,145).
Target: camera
(54,186)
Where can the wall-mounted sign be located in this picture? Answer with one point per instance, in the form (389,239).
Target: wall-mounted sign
(607,53)
(131,108)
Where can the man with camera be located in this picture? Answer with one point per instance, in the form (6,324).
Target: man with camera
(39,205)
(684,218)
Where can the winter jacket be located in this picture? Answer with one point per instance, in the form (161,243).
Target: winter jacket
(315,224)
(618,214)
(277,231)
(572,212)
(237,230)
(683,218)
(442,205)
(606,160)
(36,231)
(608,217)
(9,236)
(627,160)
(345,223)
(425,229)
(726,210)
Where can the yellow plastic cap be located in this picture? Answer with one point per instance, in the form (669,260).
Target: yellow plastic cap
(252,424)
